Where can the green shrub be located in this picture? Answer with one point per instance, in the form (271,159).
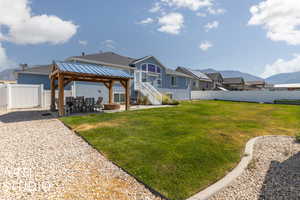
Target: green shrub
(174,102)
(166,100)
(298,137)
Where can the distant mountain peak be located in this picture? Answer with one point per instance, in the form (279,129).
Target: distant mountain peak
(284,78)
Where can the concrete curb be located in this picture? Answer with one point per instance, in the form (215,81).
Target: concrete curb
(236,172)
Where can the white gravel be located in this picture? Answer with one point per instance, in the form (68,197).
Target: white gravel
(273,174)
(42,159)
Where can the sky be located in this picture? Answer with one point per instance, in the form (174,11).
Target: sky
(261,37)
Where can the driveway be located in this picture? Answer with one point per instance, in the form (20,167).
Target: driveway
(42,159)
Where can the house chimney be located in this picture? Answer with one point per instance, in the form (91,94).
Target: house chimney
(83,54)
(24,66)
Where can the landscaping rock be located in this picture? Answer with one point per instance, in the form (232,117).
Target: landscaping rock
(274,172)
(42,159)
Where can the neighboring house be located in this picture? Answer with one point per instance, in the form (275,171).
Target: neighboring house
(200,80)
(151,78)
(217,79)
(255,85)
(35,75)
(289,87)
(237,83)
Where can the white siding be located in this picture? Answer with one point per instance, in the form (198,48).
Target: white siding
(248,96)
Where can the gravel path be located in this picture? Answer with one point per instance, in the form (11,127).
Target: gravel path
(42,159)
(274,173)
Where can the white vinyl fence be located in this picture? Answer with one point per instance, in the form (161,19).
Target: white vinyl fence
(247,96)
(17,96)
(3,98)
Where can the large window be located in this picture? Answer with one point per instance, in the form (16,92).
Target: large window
(150,68)
(173,81)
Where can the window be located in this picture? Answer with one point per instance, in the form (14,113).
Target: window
(173,81)
(194,83)
(158,70)
(119,97)
(144,67)
(158,82)
(151,68)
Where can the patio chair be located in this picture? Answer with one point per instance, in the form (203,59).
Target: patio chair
(90,104)
(70,103)
(79,104)
(98,106)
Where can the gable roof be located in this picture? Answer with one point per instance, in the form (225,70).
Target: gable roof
(194,73)
(234,80)
(106,58)
(37,69)
(176,73)
(214,75)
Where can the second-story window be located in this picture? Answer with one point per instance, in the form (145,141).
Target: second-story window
(173,81)
(151,68)
(144,67)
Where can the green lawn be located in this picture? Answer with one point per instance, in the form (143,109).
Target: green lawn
(179,151)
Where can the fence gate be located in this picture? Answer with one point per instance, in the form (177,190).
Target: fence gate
(24,96)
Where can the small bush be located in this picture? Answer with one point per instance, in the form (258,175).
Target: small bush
(174,102)
(298,137)
(166,100)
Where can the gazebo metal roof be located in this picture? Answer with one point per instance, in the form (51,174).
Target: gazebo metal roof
(92,69)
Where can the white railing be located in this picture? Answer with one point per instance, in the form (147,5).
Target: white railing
(151,92)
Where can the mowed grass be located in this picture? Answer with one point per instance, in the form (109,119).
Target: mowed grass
(179,151)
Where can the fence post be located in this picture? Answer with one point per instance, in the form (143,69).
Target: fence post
(42,96)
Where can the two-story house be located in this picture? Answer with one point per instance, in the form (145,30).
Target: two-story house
(151,78)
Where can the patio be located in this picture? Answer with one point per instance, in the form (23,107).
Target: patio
(63,73)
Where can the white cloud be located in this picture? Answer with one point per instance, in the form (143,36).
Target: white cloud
(5,63)
(156,7)
(146,21)
(190,4)
(281,19)
(83,42)
(109,44)
(200,14)
(171,23)
(215,11)
(211,25)
(204,46)
(282,66)
(25,28)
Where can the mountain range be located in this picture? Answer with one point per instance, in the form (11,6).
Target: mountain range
(283,78)
(7,74)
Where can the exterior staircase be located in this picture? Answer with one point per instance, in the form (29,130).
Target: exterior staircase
(146,89)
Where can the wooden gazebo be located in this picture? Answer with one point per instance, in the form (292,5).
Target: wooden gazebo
(64,73)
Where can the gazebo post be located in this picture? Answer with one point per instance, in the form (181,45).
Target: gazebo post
(127,94)
(52,86)
(61,109)
(110,88)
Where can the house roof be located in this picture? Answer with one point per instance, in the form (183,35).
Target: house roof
(176,73)
(106,57)
(195,73)
(214,75)
(235,80)
(37,69)
(255,82)
(92,69)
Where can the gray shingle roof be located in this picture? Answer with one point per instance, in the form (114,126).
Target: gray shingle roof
(37,69)
(195,73)
(214,76)
(107,57)
(235,80)
(176,73)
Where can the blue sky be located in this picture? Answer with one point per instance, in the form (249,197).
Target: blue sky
(173,34)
